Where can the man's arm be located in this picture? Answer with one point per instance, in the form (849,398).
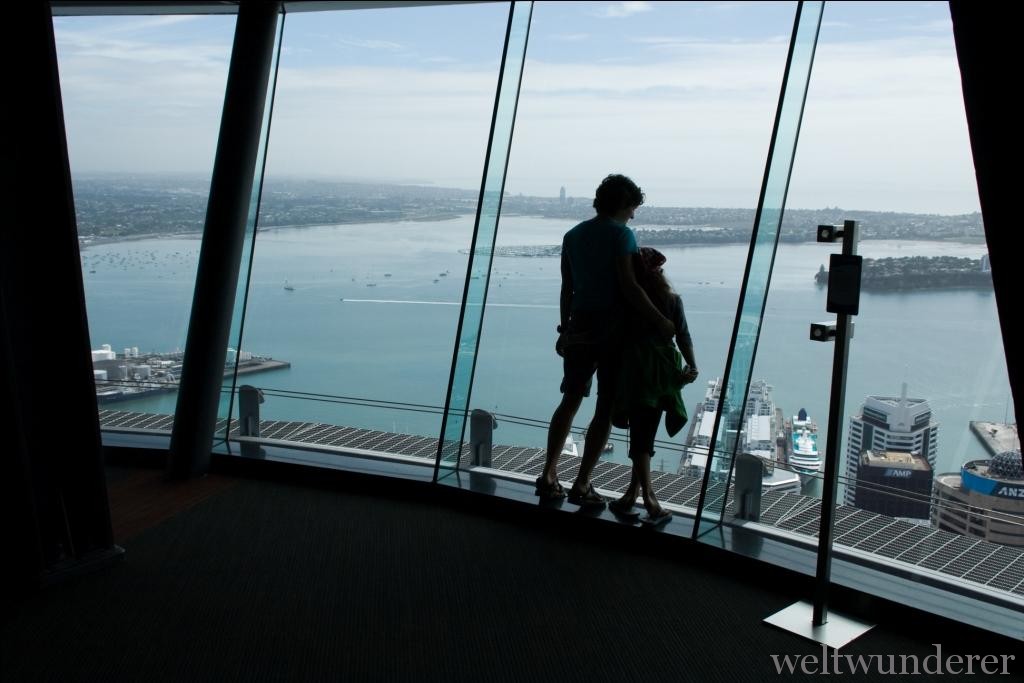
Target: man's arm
(637,298)
(564,305)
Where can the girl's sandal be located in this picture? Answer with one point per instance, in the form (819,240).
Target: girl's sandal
(623,509)
(548,491)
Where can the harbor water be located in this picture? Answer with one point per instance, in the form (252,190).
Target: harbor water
(371,312)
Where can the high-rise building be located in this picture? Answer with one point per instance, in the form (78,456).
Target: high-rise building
(985,499)
(890,424)
(561,195)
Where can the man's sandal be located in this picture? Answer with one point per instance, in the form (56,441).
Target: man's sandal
(588,498)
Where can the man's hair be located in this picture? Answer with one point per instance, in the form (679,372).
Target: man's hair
(615,193)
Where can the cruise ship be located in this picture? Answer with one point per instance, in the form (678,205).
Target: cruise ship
(758,437)
(698,440)
(803,445)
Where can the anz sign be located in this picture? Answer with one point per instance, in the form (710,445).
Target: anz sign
(1007,491)
(989,487)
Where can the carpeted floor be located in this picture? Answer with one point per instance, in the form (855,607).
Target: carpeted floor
(268,581)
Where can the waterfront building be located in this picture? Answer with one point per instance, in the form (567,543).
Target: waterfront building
(103,353)
(889,424)
(895,484)
(985,499)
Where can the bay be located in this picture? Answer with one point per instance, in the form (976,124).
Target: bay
(372,313)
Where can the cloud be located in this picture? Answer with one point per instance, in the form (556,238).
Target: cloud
(708,67)
(622,9)
(79,45)
(143,24)
(944,26)
(371,44)
(691,117)
(669,41)
(568,37)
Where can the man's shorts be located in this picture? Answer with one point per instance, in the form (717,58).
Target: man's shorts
(592,345)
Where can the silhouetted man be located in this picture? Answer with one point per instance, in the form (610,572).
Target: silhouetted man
(598,282)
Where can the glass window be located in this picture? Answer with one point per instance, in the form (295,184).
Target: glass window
(681,97)
(885,143)
(142,100)
(380,125)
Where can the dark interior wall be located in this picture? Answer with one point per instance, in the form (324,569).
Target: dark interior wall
(989,64)
(51,459)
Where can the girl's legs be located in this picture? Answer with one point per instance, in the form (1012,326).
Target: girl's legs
(642,469)
(628,498)
(643,423)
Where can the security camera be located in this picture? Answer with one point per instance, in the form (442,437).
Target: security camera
(829,233)
(823,332)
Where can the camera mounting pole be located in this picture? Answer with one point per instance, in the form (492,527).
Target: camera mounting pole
(843,300)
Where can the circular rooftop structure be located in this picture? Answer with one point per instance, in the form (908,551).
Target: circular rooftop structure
(1001,476)
(1007,465)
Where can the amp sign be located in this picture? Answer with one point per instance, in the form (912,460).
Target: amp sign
(896,473)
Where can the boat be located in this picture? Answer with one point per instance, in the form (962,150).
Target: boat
(698,439)
(803,454)
(757,437)
(570,447)
(288,287)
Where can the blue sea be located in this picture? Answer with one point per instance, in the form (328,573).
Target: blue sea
(373,310)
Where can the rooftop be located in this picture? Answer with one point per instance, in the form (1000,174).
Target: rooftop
(895,459)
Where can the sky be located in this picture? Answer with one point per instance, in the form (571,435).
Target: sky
(680,96)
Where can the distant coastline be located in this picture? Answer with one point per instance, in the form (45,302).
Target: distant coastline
(116,209)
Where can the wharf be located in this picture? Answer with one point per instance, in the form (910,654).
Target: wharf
(996,437)
(247,366)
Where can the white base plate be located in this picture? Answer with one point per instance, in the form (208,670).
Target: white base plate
(836,632)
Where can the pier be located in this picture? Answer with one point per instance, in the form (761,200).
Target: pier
(996,437)
(136,376)
(258,365)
